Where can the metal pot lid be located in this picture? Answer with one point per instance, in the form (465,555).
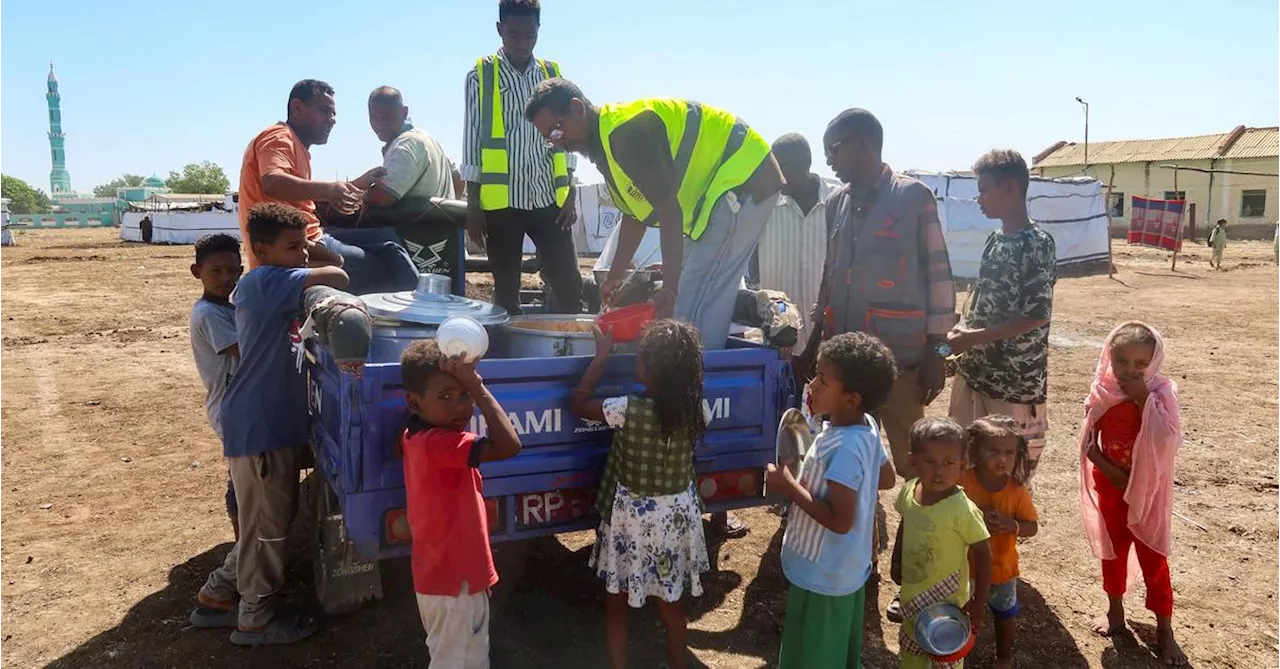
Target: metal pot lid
(425,308)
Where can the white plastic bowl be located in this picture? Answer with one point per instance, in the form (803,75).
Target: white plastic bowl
(462,335)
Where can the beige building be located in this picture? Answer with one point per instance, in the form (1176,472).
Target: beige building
(1230,175)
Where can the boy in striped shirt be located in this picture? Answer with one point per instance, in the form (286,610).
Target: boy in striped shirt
(827,547)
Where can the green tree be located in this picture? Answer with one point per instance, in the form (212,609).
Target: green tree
(23,199)
(206,177)
(109,189)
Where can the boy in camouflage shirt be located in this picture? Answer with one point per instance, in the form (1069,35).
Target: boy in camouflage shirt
(1002,342)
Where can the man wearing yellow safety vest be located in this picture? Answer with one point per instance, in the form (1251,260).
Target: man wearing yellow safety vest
(517,184)
(699,174)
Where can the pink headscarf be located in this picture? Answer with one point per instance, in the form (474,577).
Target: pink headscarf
(1150,491)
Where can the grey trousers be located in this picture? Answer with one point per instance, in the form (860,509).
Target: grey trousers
(266,487)
(714,265)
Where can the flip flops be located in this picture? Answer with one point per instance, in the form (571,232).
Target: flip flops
(280,631)
(894,611)
(205,617)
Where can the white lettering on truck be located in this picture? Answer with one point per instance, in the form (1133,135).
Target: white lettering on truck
(532,422)
(552,420)
(719,410)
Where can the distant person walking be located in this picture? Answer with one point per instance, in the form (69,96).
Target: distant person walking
(1276,242)
(1218,242)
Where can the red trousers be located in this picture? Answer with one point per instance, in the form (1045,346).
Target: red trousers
(1115,573)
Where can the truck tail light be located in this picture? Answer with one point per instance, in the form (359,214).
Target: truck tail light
(733,484)
(395,527)
(395,523)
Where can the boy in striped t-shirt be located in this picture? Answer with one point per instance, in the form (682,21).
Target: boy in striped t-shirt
(827,547)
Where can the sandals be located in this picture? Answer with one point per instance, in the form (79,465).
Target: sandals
(732,528)
(205,617)
(894,611)
(280,631)
(211,613)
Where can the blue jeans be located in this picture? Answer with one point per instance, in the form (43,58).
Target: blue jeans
(374,258)
(715,264)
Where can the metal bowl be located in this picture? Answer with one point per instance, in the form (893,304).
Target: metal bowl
(942,629)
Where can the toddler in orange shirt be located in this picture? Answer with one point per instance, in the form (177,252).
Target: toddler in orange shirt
(996,484)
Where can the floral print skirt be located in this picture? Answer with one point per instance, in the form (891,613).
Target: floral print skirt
(652,547)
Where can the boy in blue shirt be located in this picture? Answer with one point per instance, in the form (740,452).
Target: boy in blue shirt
(827,547)
(265,423)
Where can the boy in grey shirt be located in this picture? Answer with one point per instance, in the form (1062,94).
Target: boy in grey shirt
(213,332)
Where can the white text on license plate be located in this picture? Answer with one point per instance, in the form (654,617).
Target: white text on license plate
(555,506)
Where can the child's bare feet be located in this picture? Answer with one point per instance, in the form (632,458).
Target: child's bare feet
(1170,653)
(1112,622)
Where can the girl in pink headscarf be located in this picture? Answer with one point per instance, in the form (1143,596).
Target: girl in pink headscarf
(1128,445)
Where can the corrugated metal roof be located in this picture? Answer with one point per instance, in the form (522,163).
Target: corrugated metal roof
(1252,143)
(1136,151)
(1256,143)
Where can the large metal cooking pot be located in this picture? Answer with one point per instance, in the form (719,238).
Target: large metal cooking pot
(399,319)
(391,338)
(552,336)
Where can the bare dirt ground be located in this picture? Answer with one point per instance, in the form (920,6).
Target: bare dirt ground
(112,506)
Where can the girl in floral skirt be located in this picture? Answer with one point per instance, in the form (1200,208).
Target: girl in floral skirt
(650,542)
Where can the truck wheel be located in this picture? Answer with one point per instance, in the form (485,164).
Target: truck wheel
(343,582)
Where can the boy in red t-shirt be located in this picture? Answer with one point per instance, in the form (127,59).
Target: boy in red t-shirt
(452,564)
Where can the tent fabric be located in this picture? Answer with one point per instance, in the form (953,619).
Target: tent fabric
(179,227)
(6,237)
(1072,210)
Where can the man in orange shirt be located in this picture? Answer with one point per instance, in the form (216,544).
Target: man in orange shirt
(277,168)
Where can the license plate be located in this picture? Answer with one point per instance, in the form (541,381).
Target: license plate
(553,507)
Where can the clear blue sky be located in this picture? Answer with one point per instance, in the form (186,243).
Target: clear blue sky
(150,87)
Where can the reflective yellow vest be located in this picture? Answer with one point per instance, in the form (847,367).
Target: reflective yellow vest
(713,152)
(494,166)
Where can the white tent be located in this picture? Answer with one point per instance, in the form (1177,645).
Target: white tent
(1073,211)
(179,227)
(6,237)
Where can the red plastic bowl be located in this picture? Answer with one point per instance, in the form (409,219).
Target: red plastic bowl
(626,323)
(962,653)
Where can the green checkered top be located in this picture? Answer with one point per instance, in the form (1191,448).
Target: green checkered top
(642,460)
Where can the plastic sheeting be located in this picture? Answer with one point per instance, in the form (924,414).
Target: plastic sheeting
(1073,211)
(179,227)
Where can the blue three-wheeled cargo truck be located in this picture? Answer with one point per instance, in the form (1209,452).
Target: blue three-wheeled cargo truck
(357,491)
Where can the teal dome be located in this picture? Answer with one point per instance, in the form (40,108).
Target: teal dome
(153,181)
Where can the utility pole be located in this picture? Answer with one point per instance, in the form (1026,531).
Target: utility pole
(1086,132)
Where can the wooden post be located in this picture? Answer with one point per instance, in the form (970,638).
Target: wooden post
(1111,263)
(1178,243)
